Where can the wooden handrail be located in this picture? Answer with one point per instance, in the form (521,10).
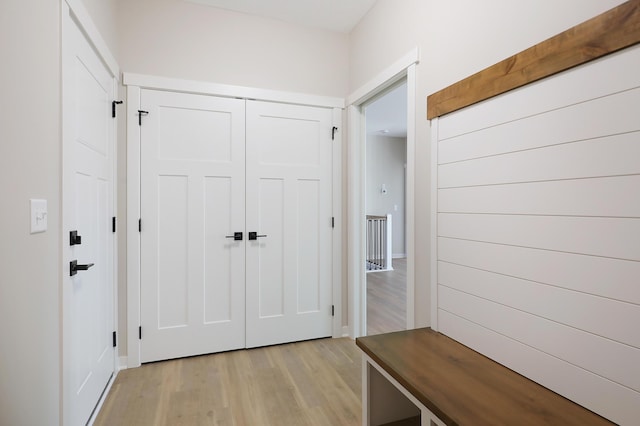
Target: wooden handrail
(609,32)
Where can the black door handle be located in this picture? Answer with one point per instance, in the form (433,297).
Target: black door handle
(237,236)
(74,267)
(255,236)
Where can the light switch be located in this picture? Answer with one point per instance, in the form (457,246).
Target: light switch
(38,216)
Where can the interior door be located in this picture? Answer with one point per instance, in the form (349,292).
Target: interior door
(289,172)
(192,204)
(88,169)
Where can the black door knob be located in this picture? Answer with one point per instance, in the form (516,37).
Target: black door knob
(255,236)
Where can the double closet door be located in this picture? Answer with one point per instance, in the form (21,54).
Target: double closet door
(235,224)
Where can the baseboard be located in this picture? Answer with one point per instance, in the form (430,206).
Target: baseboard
(122,363)
(345,331)
(398,256)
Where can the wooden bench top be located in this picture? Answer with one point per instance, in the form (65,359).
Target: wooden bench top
(463,387)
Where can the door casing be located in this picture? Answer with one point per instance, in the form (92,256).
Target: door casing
(135,83)
(405,67)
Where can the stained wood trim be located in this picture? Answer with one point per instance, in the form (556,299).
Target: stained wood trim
(609,32)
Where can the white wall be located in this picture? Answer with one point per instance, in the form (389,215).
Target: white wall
(174,38)
(456,38)
(29,168)
(386,159)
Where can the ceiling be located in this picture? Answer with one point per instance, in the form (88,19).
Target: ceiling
(334,15)
(387,115)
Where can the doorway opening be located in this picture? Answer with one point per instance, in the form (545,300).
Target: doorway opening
(403,71)
(385,209)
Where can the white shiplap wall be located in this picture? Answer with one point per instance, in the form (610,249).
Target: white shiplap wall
(538,232)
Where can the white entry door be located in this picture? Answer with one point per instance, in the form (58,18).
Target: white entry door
(88,170)
(192,203)
(289,205)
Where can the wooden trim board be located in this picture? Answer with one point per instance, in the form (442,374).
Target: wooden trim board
(607,33)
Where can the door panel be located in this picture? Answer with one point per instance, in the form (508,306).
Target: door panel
(193,197)
(289,201)
(89,356)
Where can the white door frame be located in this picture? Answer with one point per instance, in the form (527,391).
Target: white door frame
(135,83)
(74,10)
(404,67)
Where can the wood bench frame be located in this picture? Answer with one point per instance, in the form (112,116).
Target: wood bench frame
(422,377)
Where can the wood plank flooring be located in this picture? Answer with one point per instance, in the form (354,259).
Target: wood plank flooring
(387,299)
(308,383)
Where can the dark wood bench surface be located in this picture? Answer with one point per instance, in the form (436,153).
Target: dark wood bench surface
(463,387)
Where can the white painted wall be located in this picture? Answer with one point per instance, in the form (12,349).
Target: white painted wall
(173,38)
(29,168)
(456,39)
(386,159)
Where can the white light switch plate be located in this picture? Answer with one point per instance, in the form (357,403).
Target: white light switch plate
(38,216)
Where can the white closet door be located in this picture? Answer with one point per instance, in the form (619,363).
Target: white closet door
(193,195)
(289,207)
(88,208)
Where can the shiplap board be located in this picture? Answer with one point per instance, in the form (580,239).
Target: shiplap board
(538,232)
(607,156)
(607,197)
(615,319)
(584,350)
(610,278)
(610,74)
(581,386)
(607,237)
(608,115)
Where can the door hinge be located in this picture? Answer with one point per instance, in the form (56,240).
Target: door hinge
(113,224)
(140,114)
(333,310)
(139,225)
(113,108)
(115,339)
(140,333)
(333,222)
(334,129)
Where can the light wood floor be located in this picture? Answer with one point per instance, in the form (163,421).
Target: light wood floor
(307,383)
(387,299)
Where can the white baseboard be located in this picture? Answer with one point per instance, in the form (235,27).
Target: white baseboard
(122,363)
(398,255)
(345,331)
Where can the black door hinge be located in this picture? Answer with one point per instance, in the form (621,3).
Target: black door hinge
(140,333)
(113,224)
(140,114)
(115,340)
(333,222)
(113,108)
(333,310)
(139,225)
(334,129)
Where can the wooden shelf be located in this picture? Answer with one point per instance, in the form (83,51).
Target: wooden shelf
(607,33)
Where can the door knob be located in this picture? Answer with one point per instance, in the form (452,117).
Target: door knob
(255,236)
(74,267)
(237,236)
